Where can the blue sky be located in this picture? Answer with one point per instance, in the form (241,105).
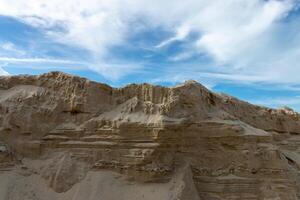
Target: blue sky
(246,48)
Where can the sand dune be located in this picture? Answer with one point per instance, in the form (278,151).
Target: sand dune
(68,138)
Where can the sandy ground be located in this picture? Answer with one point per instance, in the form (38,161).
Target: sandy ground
(100,185)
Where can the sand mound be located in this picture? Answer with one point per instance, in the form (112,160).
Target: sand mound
(67,138)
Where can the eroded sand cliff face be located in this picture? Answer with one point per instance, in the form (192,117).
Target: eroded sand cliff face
(68,138)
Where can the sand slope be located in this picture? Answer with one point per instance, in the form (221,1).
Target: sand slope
(68,138)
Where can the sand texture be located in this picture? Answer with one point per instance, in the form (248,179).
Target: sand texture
(64,137)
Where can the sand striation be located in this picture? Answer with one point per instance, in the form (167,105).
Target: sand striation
(64,137)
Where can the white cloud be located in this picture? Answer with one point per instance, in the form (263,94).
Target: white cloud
(113,71)
(180,34)
(209,78)
(37,60)
(226,41)
(280,101)
(239,35)
(277,102)
(3,72)
(8,47)
(182,56)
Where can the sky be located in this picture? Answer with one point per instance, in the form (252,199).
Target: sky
(249,49)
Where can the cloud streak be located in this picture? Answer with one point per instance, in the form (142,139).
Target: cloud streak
(3,72)
(38,60)
(277,102)
(242,38)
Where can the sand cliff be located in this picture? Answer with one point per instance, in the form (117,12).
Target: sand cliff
(67,138)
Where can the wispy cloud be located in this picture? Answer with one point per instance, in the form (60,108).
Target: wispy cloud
(277,102)
(209,79)
(3,72)
(9,47)
(114,70)
(180,34)
(243,38)
(38,60)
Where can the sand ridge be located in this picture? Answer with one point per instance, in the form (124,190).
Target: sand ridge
(63,137)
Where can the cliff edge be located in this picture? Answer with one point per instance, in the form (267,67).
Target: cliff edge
(64,137)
